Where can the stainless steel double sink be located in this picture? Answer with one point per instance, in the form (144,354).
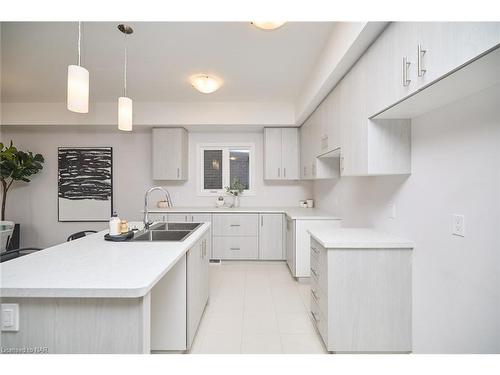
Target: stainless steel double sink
(167,232)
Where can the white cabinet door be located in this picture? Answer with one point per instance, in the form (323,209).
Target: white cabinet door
(179,218)
(449,45)
(331,126)
(305,163)
(353,123)
(157,217)
(200,218)
(290,153)
(271,237)
(206,249)
(290,244)
(170,154)
(193,267)
(272,154)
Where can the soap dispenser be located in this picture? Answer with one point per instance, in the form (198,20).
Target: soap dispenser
(114,225)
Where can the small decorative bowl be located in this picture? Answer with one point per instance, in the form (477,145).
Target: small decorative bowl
(162,204)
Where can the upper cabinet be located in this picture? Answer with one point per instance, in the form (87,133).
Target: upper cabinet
(411,55)
(406,60)
(170,154)
(281,154)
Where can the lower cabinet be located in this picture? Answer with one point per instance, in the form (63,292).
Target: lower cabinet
(271,237)
(298,242)
(290,244)
(248,236)
(196,286)
(179,299)
(361,298)
(235,236)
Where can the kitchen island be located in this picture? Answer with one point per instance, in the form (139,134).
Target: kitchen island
(95,296)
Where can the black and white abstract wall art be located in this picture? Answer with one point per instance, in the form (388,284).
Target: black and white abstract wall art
(85,183)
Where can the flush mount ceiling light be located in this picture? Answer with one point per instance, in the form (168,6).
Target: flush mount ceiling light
(268,25)
(205,83)
(125,104)
(78,83)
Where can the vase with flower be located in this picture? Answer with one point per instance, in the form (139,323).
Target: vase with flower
(235,190)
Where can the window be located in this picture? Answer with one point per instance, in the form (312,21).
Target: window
(221,165)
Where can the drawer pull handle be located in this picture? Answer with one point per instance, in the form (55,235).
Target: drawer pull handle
(314,316)
(315,250)
(235,248)
(235,225)
(315,273)
(313,292)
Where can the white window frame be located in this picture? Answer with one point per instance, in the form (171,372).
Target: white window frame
(225,147)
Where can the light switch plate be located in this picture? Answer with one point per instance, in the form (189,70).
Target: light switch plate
(10,317)
(458,225)
(392,210)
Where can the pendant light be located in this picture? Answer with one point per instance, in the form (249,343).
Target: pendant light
(78,83)
(124,102)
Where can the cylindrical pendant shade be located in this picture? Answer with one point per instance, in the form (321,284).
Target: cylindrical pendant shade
(78,89)
(125,113)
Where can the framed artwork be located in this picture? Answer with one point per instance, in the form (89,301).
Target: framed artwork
(85,183)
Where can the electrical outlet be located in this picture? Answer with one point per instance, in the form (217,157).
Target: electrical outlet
(458,225)
(10,317)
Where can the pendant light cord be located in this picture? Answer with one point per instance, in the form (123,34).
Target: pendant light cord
(79,43)
(125,69)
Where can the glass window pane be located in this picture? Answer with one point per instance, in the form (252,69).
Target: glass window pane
(212,169)
(239,167)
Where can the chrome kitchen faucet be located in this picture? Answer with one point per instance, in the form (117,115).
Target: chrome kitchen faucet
(146,203)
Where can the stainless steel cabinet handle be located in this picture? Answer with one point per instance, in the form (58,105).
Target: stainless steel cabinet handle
(420,53)
(261,220)
(406,67)
(284,172)
(234,225)
(186,218)
(315,273)
(314,316)
(279,172)
(235,248)
(178,173)
(341,164)
(313,292)
(305,170)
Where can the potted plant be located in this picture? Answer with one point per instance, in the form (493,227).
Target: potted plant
(16,165)
(235,189)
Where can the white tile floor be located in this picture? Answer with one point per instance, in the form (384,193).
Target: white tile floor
(256,307)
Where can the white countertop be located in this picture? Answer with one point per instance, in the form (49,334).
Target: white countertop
(358,238)
(295,213)
(93,267)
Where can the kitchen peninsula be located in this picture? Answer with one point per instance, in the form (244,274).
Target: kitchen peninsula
(94,296)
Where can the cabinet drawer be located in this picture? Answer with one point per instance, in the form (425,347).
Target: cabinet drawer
(319,320)
(319,296)
(319,278)
(235,225)
(235,247)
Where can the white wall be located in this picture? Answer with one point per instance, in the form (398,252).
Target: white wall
(35,205)
(456,169)
(249,114)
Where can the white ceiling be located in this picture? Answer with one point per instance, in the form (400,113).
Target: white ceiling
(256,65)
